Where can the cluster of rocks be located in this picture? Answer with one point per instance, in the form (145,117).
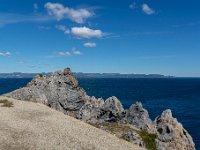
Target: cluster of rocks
(61,91)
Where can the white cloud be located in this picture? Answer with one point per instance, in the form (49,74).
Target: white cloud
(63,28)
(76,52)
(146,9)
(89,44)
(59,11)
(84,32)
(64,54)
(5,54)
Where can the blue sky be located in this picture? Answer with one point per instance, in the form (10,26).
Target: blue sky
(125,36)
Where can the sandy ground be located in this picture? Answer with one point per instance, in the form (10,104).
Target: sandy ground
(32,126)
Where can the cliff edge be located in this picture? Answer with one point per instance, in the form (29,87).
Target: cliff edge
(28,126)
(61,91)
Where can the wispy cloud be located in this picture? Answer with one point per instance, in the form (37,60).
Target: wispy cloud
(133,5)
(71,52)
(5,54)
(12,18)
(35,7)
(63,28)
(142,33)
(44,27)
(84,32)
(60,12)
(76,52)
(89,44)
(146,9)
(64,53)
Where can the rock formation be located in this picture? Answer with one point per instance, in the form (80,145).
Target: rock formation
(171,134)
(61,91)
(139,117)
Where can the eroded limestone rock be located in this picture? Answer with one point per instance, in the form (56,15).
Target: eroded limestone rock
(61,91)
(139,117)
(171,135)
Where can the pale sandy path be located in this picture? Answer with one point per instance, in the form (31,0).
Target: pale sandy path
(31,126)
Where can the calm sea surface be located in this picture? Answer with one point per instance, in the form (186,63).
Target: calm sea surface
(181,95)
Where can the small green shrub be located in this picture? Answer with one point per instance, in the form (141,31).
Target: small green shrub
(41,75)
(6,103)
(148,139)
(114,128)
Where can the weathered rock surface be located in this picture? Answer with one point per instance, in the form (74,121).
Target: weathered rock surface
(139,117)
(171,135)
(134,138)
(61,91)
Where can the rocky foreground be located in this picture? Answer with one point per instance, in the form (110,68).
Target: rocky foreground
(61,92)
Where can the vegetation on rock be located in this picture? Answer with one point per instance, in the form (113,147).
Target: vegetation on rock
(148,139)
(6,103)
(121,131)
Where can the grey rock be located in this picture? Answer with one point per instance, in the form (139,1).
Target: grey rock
(61,91)
(139,117)
(112,110)
(90,111)
(134,138)
(98,110)
(171,135)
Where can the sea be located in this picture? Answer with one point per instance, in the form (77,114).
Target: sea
(181,95)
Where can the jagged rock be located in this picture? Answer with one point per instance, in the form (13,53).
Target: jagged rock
(61,91)
(112,110)
(171,135)
(67,71)
(139,117)
(90,111)
(96,110)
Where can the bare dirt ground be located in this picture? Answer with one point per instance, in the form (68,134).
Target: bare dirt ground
(32,126)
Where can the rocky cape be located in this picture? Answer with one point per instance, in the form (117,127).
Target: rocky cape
(61,91)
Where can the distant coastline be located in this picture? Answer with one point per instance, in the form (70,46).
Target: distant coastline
(87,75)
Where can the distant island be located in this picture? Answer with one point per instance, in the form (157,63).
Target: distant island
(86,75)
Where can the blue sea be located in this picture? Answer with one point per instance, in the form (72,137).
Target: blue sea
(181,95)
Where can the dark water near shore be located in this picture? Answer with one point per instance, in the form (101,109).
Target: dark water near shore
(181,95)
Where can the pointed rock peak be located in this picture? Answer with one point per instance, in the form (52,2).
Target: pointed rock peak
(166,114)
(115,102)
(114,105)
(171,134)
(67,71)
(137,107)
(139,117)
(113,99)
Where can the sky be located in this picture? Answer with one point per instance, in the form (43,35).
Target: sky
(101,36)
